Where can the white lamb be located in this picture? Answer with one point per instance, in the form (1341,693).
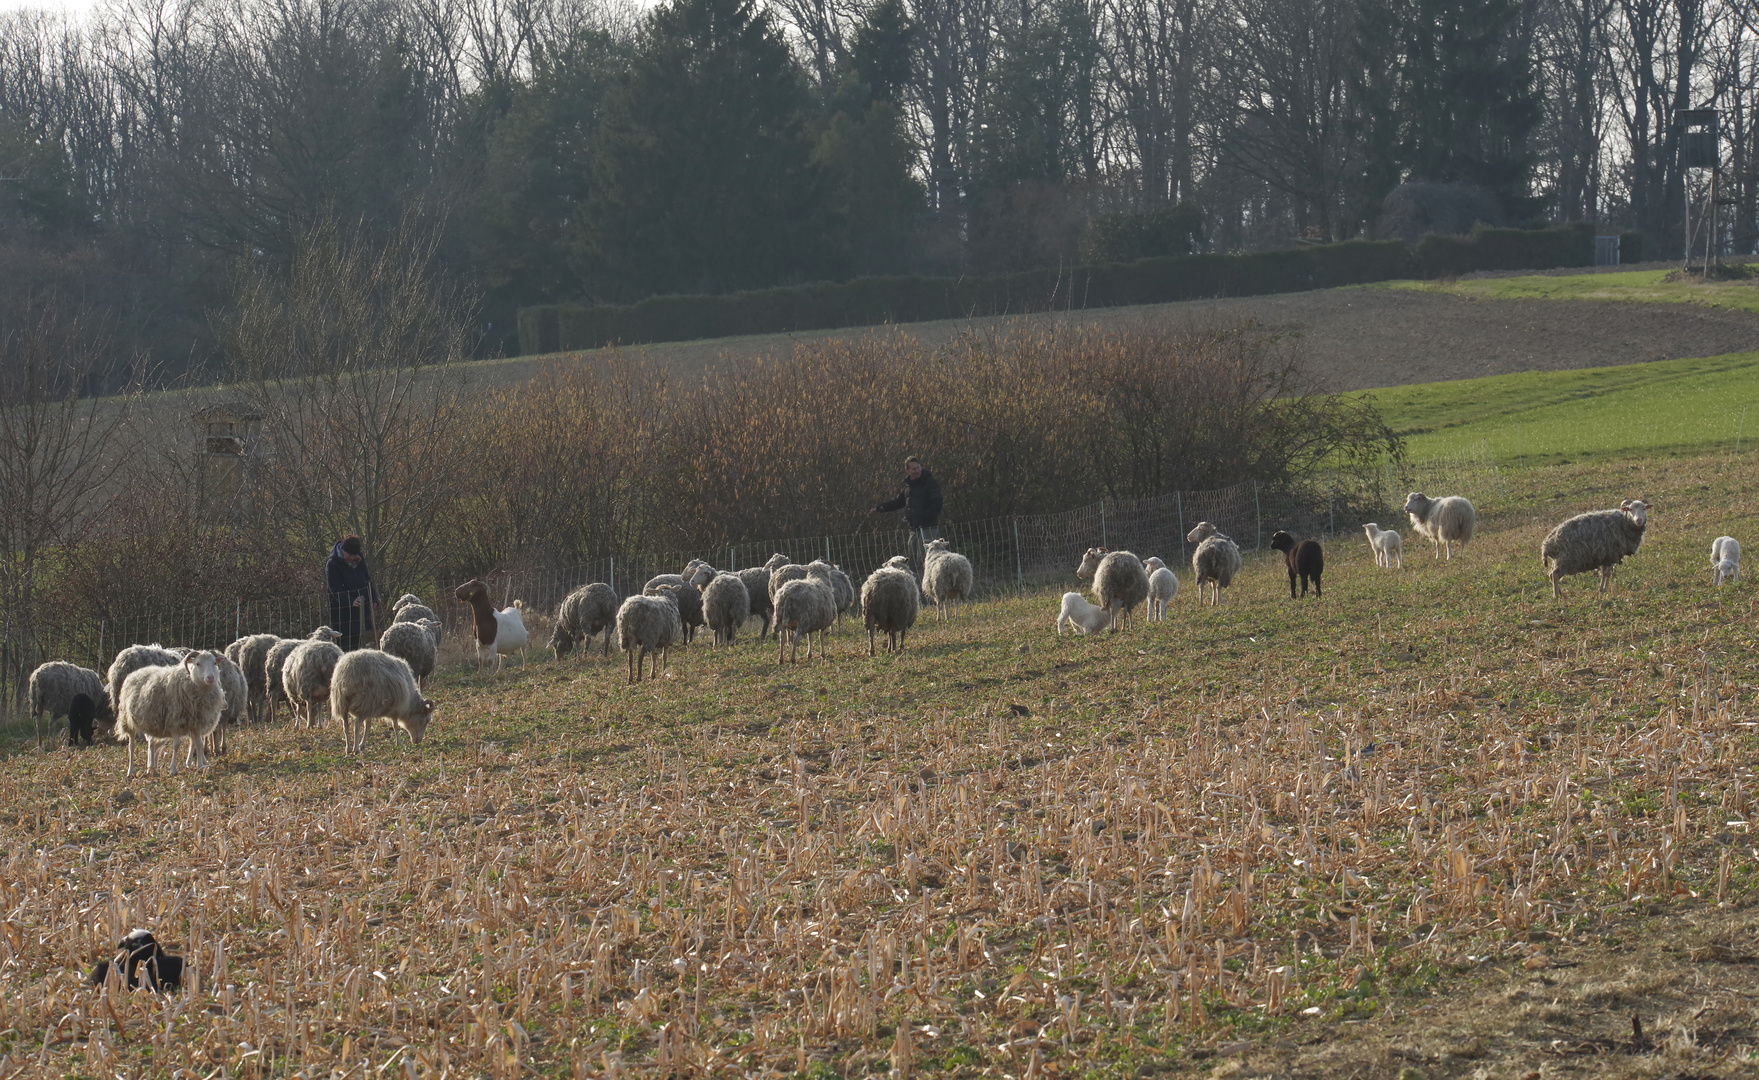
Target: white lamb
(1163,586)
(1083,616)
(1725,559)
(1387,547)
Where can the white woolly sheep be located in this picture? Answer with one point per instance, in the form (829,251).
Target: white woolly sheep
(498,633)
(306,677)
(165,704)
(649,625)
(411,610)
(782,575)
(1598,540)
(1725,560)
(1120,582)
(1163,586)
(804,606)
(132,659)
(370,685)
(416,644)
(689,599)
(1443,522)
(588,610)
(725,607)
(757,590)
(54,685)
(827,574)
(890,602)
(1215,562)
(237,691)
(275,663)
(1388,548)
(947,578)
(1079,613)
(251,654)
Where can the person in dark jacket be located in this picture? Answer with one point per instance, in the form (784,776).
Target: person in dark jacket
(352,595)
(920,501)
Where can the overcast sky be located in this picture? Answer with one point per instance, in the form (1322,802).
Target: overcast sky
(48,5)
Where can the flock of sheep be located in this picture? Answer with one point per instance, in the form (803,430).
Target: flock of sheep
(167,695)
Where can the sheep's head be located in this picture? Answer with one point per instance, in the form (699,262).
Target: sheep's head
(325,633)
(1089,563)
(701,576)
(1200,532)
(404,601)
(1153,563)
(1416,503)
(898,562)
(941,544)
(777,561)
(1371,528)
(1282,541)
(561,641)
(667,592)
(1638,509)
(203,667)
(417,722)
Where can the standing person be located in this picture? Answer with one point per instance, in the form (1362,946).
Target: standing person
(920,501)
(352,595)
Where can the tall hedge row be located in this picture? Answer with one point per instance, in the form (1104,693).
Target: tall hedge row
(877,300)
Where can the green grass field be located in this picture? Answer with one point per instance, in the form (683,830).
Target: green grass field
(1636,286)
(1666,407)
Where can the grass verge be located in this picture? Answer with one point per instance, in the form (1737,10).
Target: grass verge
(1551,417)
(1635,286)
(1000,853)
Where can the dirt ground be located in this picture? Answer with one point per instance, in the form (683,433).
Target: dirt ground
(1644,992)
(1356,338)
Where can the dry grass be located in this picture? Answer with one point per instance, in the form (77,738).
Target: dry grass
(1001,853)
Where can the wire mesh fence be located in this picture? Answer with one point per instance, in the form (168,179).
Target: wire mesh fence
(1008,555)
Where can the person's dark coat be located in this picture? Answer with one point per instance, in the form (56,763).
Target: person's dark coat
(920,501)
(347,582)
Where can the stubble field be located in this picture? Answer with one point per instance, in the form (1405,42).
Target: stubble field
(1436,821)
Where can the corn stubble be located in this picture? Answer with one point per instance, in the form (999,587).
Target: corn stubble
(1193,836)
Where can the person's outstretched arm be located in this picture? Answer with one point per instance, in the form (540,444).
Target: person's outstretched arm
(895,504)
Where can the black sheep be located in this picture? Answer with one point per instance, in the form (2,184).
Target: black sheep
(81,712)
(142,963)
(1305,558)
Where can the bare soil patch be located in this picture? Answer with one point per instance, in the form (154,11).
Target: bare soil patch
(1355,338)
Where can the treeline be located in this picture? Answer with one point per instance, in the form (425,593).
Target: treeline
(581,151)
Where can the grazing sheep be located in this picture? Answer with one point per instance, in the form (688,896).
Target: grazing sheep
(1388,548)
(1083,616)
(843,589)
(782,575)
(1305,559)
(275,664)
(757,589)
(306,677)
(416,644)
(689,599)
(1163,586)
(1444,522)
(132,659)
(82,711)
(649,625)
(890,602)
(946,578)
(165,704)
(52,688)
(804,606)
(498,633)
(1120,581)
(370,685)
(237,690)
(251,654)
(725,605)
(1215,562)
(1598,540)
(411,610)
(1725,559)
(586,611)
